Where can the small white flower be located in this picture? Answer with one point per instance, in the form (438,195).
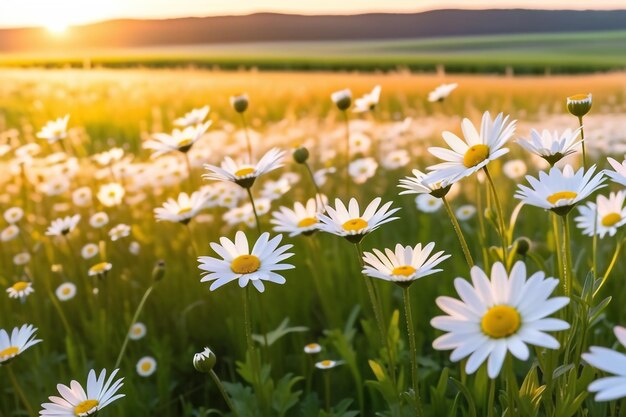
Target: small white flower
(137,331)
(98,220)
(81,197)
(327,364)
(146,366)
(312,348)
(63,226)
(428,203)
(89,251)
(465,212)
(119,231)
(193,118)
(604,216)
(362,169)
(20,339)
(20,290)
(179,140)
(21,258)
(100,269)
(54,130)
(111,194)
(66,291)
(395,159)
(181,210)
(441,92)
(368,102)
(9,233)
(514,169)
(13,215)
(619,174)
(303,219)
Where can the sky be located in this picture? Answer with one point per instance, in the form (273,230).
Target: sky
(58,14)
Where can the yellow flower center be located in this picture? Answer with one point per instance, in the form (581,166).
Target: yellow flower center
(578,97)
(312,346)
(475,155)
(326,363)
(98,268)
(146,366)
(354,225)
(405,270)
(243,172)
(500,321)
(184,210)
(20,285)
(561,195)
(245,264)
(66,291)
(610,219)
(85,406)
(307,221)
(8,352)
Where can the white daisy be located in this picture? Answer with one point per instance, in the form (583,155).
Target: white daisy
(478,149)
(63,226)
(619,174)
(514,169)
(137,331)
(465,212)
(111,194)
(9,233)
(327,364)
(395,159)
(312,348)
(54,130)
(13,215)
(368,102)
(604,216)
(551,146)
(21,258)
(351,224)
(120,231)
(610,361)
(245,174)
(404,265)
(89,250)
(428,203)
(81,197)
(558,190)
(179,140)
(441,92)
(66,291)
(21,338)
(99,219)
(497,316)
(421,183)
(20,290)
(100,269)
(181,210)
(362,169)
(193,118)
(108,157)
(75,402)
(303,219)
(146,366)
(239,263)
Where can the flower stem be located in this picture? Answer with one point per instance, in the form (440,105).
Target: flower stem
(327,390)
(557,249)
(411,335)
(19,391)
(191,240)
(317,188)
(459,233)
(256,216)
(618,248)
(245,130)
(134,320)
(582,143)
(492,394)
(256,370)
(567,258)
(220,387)
(189,172)
(500,215)
(347,121)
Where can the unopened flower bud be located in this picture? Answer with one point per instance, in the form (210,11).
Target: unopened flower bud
(204,361)
(158,271)
(342,98)
(578,105)
(239,103)
(522,245)
(301,154)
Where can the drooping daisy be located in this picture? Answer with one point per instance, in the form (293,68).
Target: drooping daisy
(558,190)
(111,194)
(146,366)
(63,226)
(428,203)
(362,169)
(475,152)
(368,102)
(179,140)
(608,360)
(54,130)
(193,117)
(239,263)
(66,291)
(303,219)
(119,231)
(604,216)
(137,331)
(403,265)
(498,315)
(181,210)
(21,338)
(551,146)
(351,224)
(312,348)
(421,183)
(245,174)
(441,92)
(20,290)
(100,269)
(74,401)
(327,364)
(619,174)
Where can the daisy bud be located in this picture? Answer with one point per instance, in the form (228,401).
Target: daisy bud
(158,271)
(522,245)
(301,154)
(239,103)
(204,361)
(342,99)
(578,105)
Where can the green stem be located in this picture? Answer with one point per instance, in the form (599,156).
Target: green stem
(582,136)
(411,335)
(618,248)
(557,249)
(568,273)
(327,390)
(511,386)
(317,188)
(19,391)
(191,240)
(503,228)
(248,143)
(256,216)
(189,172)
(256,370)
(492,394)
(220,387)
(134,320)
(594,246)
(459,233)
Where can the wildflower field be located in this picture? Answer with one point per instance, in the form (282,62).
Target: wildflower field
(272,244)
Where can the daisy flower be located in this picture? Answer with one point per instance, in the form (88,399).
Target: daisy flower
(465,212)
(108,157)
(239,263)
(303,219)
(66,291)
(604,216)
(193,118)
(63,226)
(146,366)
(9,233)
(245,174)
(368,102)
(312,348)
(181,210)
(428,203)
(558,190)
(421,183)
(89,250)
(240,102)
(74,401)
(100,269)
(21,290)
(475,152)
(327,364)
(351,224)
(13,215)
(404,265)
(99,219)
(111,194)
(119,231)
(362,169)
(81,197)
(514,169)
(179,140)
(441,92)
(54,130)
(21,338)
(204,361)
(137,331)
(551,146)
(610,361)
(498,315)
(619,174)
(21,258)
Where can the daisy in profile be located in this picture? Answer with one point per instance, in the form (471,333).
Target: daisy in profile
(312,348)
(612,362)
(552,146)
(368,102)
(74,401)
(20,290)
(619,174)
(420,183)
(403,265)
(441,92)
(20,339)
(179,140)
(239,263)
(474,152)
(66,291)
(327,364)
(54,130)
(498,315)
(604,216)
(351,224)
(146,366)
(558,190)
(302,219)
(63,226)
(111,194)
(181,210)
(342,99)
(120,231)
(100,269)
(193,118)
(242,174)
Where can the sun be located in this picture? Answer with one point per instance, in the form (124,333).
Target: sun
(56,28)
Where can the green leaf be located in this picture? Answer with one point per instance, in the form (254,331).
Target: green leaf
(468,396)
(282,330)
(284,397)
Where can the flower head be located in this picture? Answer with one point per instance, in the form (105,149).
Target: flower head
(342,99)
(63,226)
(619,174)
(608,360)
(441,92)
(368,102)
(13,345)
(303,219)
(20,290)
(54,130)
(552,146)
(604,216)
(420,183)
(245,174)
(179,140)
(181,210)
(204,361)
(193,118)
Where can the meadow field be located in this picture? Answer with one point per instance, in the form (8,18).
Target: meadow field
(138,269)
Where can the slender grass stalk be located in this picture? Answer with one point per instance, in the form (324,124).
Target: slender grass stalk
(511,388)
(189,172)
(327,389)
(411,335)
(347,122)
(459,232)
(140,307)
(609,269)
(256,216)
(222,391)
(582,143)
(594,246)
(245,130)
(19,391)
(482,236)
(557,247)
(496,199)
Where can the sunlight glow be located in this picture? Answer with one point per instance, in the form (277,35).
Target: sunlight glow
(56,28)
